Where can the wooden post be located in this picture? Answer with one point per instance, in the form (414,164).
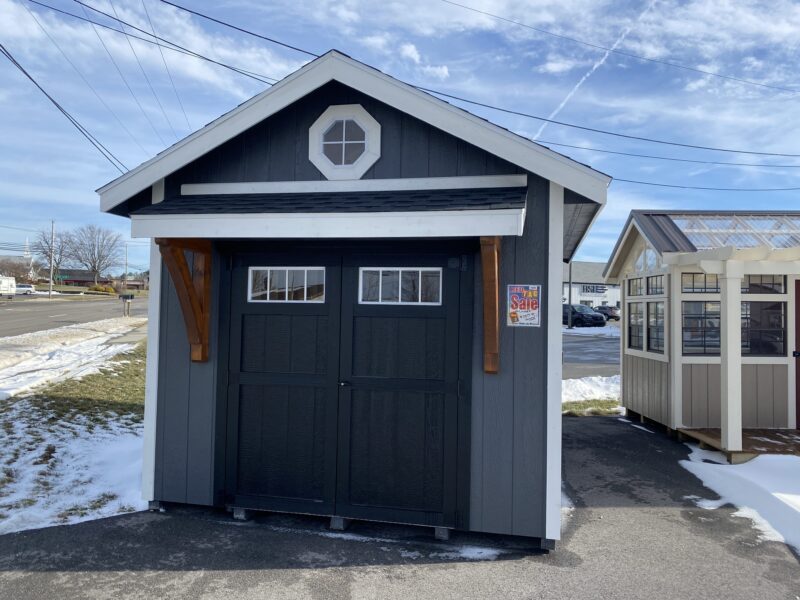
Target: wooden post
(490,264)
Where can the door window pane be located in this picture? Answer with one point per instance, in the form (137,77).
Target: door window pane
(390,286)
(286,284)
(431,284)
(409,291)
(369,285)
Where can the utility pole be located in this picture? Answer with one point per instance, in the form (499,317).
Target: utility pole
(569,298)
(125,274)
(52,251)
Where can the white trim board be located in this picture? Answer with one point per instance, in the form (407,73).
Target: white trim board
(151,376)
(555,272)
(356,185)
(335,66)
(446,223)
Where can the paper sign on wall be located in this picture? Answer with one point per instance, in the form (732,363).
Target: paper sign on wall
(524,306)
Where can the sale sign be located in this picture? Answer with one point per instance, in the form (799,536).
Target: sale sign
(524,305)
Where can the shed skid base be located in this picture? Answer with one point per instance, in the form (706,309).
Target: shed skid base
(339,523)
(155,506)
(441,533)
(242,514)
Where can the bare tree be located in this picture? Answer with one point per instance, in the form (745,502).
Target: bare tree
(96,249)
(60,248)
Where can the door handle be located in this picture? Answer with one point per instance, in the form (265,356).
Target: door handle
(344,383)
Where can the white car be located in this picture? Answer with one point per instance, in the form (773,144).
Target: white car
(25,289)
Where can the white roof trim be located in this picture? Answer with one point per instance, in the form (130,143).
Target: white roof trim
(335,66)
(441,223)
(618,248)
(356,185)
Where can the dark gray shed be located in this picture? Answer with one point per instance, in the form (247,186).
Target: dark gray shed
(355,307)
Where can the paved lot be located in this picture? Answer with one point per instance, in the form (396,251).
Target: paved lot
(632,535)
(585,355)
(24,315)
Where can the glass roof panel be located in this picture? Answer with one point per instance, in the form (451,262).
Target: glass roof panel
(740,231)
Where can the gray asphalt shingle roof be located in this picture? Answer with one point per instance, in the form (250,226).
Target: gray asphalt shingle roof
(393,201)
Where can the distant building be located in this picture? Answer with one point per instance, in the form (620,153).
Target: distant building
(80,277)
(589,286)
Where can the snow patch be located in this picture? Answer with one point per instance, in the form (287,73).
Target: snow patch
(611,331)
(33,359)
(765,490)
(67,472)
(590,388)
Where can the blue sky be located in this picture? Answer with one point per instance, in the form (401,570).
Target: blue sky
(48,171)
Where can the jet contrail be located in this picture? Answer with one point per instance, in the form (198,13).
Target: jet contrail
(594,68)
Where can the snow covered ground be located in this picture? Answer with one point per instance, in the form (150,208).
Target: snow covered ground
(590,388)
(607,331)
(33,359)
(765,490)
(65,472)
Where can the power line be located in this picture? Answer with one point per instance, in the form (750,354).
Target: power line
(654,157)
(19,228)
(715,189)
(258,35)
(505,110)
(107,154)
(620,52)
(166,68)
(127,85)
(144,73)
(86,81)
(256,76)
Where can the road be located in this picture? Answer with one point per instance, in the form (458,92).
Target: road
(586,356)
(635,533)
(24,315)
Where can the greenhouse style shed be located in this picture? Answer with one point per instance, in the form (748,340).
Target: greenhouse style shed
(710,322)
(355,308)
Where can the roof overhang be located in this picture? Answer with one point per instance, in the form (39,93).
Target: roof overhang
(420,224)
(520,151)
(739,261)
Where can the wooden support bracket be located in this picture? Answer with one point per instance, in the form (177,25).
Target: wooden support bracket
(193,287)
(490,267)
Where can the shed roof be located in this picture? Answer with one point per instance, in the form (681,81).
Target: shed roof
(342,202)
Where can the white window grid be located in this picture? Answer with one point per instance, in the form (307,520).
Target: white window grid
(269,270)
(344,141)
(400,271)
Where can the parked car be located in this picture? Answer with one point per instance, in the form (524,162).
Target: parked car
(25,289)
(8,287)
(611,313)
(582,316)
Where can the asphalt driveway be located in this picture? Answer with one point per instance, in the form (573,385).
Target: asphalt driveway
(633,534)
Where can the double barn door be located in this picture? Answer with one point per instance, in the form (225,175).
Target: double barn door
(343,385)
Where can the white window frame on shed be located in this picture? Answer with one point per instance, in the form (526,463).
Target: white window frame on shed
(372,148)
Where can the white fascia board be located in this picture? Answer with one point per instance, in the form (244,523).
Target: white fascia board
(460,123)
(449,223)
(356,185)
(616,256)
(554,358)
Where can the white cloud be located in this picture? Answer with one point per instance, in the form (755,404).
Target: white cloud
(440,72)
(410,52)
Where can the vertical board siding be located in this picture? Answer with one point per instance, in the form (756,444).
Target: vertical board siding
(645,387)
(765,396)
(186,430)
(509,409)
(277,148)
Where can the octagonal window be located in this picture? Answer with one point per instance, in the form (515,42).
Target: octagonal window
(344,142)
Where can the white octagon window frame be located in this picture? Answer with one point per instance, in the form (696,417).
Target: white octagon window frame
(372,149)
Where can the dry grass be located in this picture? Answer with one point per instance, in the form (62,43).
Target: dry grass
(117,390)
(588,408)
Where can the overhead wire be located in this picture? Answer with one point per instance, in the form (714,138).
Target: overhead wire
(86,81)
(668,63)
(144,73)
(127,85)
(107,154)
(166,68)
(497,108)
(715,189)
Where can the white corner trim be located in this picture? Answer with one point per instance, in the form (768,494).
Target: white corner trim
(358,185)
(334,66)
(372,150)
(151,376)
(445,223)
(555,271)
